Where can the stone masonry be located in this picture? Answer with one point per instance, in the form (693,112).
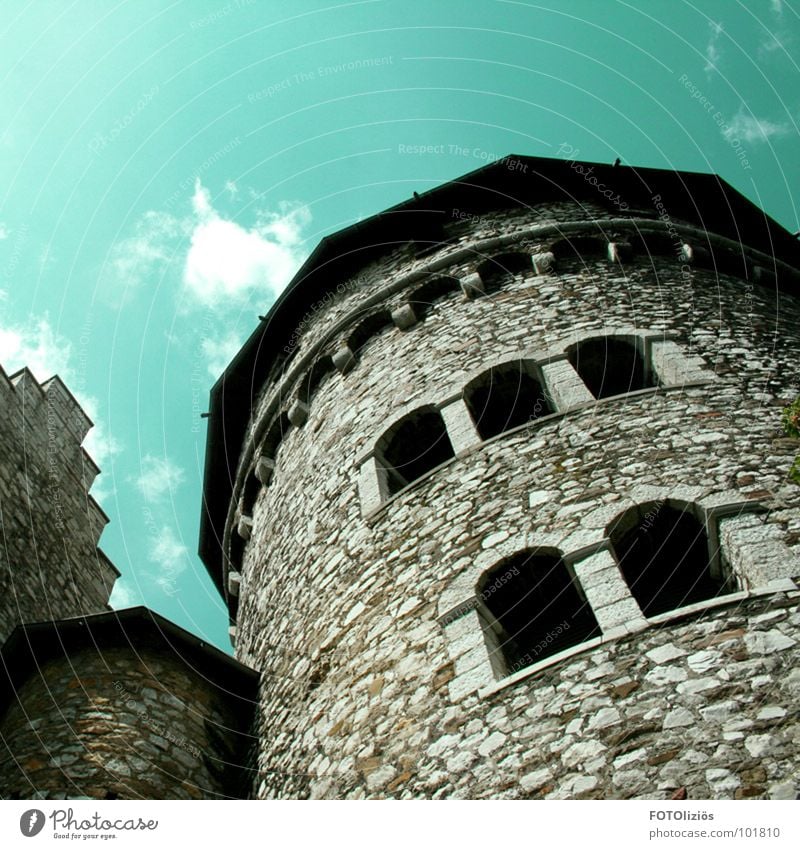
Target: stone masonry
(50,563)
(358,605)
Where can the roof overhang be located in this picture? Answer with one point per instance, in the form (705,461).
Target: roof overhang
(30,646)
(704,200)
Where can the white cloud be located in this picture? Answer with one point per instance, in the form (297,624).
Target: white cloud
(227,263)
(46,353)
(172,557)
(779,38)
(38,347)
(220,351)
(159,477)
(3,231)
(146,255)
(124,595)
(747,128)
(221,264)
(713,53)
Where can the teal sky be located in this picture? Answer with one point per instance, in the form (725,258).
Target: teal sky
(166,166)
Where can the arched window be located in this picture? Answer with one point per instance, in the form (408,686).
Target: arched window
(313,379)
(610,365)
(368,328)
(505,397)
(532,608)
(499,269)
(414,446)
(663,554)
(424,298)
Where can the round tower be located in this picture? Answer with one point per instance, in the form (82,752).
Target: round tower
(497,494)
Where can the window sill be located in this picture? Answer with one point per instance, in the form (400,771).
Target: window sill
(781,585)
(372,515)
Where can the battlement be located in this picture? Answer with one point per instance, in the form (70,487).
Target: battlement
(50,522)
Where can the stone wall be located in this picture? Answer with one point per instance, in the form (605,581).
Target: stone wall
(120,723)
(367,692)
(49,560)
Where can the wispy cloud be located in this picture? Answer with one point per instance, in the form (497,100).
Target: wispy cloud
(125,594)
(778,38)
(171,556)
(220,351)
(713,52)
(216,263)
(751,130)
(159,477)
(227,263)
(3,231)
(221,261)
(145,256)
(46,353)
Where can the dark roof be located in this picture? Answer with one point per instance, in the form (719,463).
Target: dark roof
(704,200)
(136,628)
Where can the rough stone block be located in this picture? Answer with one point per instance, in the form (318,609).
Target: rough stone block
(234,583)
(472,285)
(544,263)
(344,359)
(264,470)
(298,413)
(461,429)
(564,386)
(244,527)
(619,252)
(373,485)
(404,317)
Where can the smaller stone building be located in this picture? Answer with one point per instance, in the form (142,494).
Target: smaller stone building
(94,702)
(122,705)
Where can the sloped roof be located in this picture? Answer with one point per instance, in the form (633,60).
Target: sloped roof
(704,200)
(31,645)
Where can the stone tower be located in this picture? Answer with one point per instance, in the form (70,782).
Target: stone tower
(497,496)
(50,563)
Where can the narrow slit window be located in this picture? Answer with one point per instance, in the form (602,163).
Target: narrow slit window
(321,369)
(425,298)
(581,249)
(368,329)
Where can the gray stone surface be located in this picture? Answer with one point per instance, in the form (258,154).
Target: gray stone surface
(314,552)
(50,563)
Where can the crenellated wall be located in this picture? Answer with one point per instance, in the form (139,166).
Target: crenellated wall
(358,606)
(50,563)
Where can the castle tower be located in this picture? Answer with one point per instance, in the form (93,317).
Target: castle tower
(497,495)
(50,563)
